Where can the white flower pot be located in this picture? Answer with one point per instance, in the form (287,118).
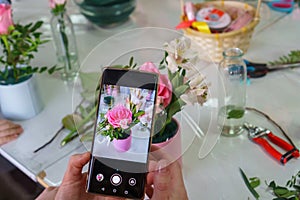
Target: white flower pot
(20,101)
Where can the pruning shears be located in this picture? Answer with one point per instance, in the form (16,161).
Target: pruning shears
(260,135)
(257,70)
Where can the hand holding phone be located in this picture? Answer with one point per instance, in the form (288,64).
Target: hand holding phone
(122,134)
(167,180)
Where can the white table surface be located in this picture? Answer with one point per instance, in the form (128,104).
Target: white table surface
(215,176)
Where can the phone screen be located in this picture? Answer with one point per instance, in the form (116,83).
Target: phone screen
(126,105)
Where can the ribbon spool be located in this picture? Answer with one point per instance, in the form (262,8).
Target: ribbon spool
(215,18)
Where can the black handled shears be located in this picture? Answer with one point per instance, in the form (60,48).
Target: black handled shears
(257,70)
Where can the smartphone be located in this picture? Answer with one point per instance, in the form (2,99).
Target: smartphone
(120,169)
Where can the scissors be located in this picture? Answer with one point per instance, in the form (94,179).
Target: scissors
(280,5)
(257,70)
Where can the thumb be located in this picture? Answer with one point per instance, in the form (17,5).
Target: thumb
(75,166)
(161,181)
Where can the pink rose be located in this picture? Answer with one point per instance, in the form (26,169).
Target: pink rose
(5,18)
(119,116)
(164,89)
(149,67)
(164,92)
(53,3)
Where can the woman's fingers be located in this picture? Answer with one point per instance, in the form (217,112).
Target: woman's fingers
(6,139)
(9,128)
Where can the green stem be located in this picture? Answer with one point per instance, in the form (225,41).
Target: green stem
(5,42)
(64,39)
(73,134)
(7,47)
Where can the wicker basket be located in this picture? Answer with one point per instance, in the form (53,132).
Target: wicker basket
(214,44)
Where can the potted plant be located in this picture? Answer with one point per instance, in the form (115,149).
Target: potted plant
(18,90)
(116,124)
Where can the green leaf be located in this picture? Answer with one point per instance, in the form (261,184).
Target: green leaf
(297,187)
(59,9)
(252,190)
(131,61)
(42,69)
(272,185)
(181,89)
(235,114)
(162,67)
(118,66)
(254,182)
(175,107)
(280,191)
(290,194)
(292,57)
(293,180)
(176,81)
(36,26)
(26,27)
(289,183)
(70,121)
(140,113)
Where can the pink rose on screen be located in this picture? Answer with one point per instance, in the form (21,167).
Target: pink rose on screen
(53,3)
(5,18)
(119,117)
(164,92)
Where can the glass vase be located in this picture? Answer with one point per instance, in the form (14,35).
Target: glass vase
(232,92)
(65,45)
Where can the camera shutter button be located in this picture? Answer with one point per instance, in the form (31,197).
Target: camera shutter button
(116,179)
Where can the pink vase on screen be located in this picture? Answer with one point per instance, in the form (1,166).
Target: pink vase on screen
(122,145)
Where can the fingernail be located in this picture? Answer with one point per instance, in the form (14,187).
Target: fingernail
(162,166)
(21,130)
